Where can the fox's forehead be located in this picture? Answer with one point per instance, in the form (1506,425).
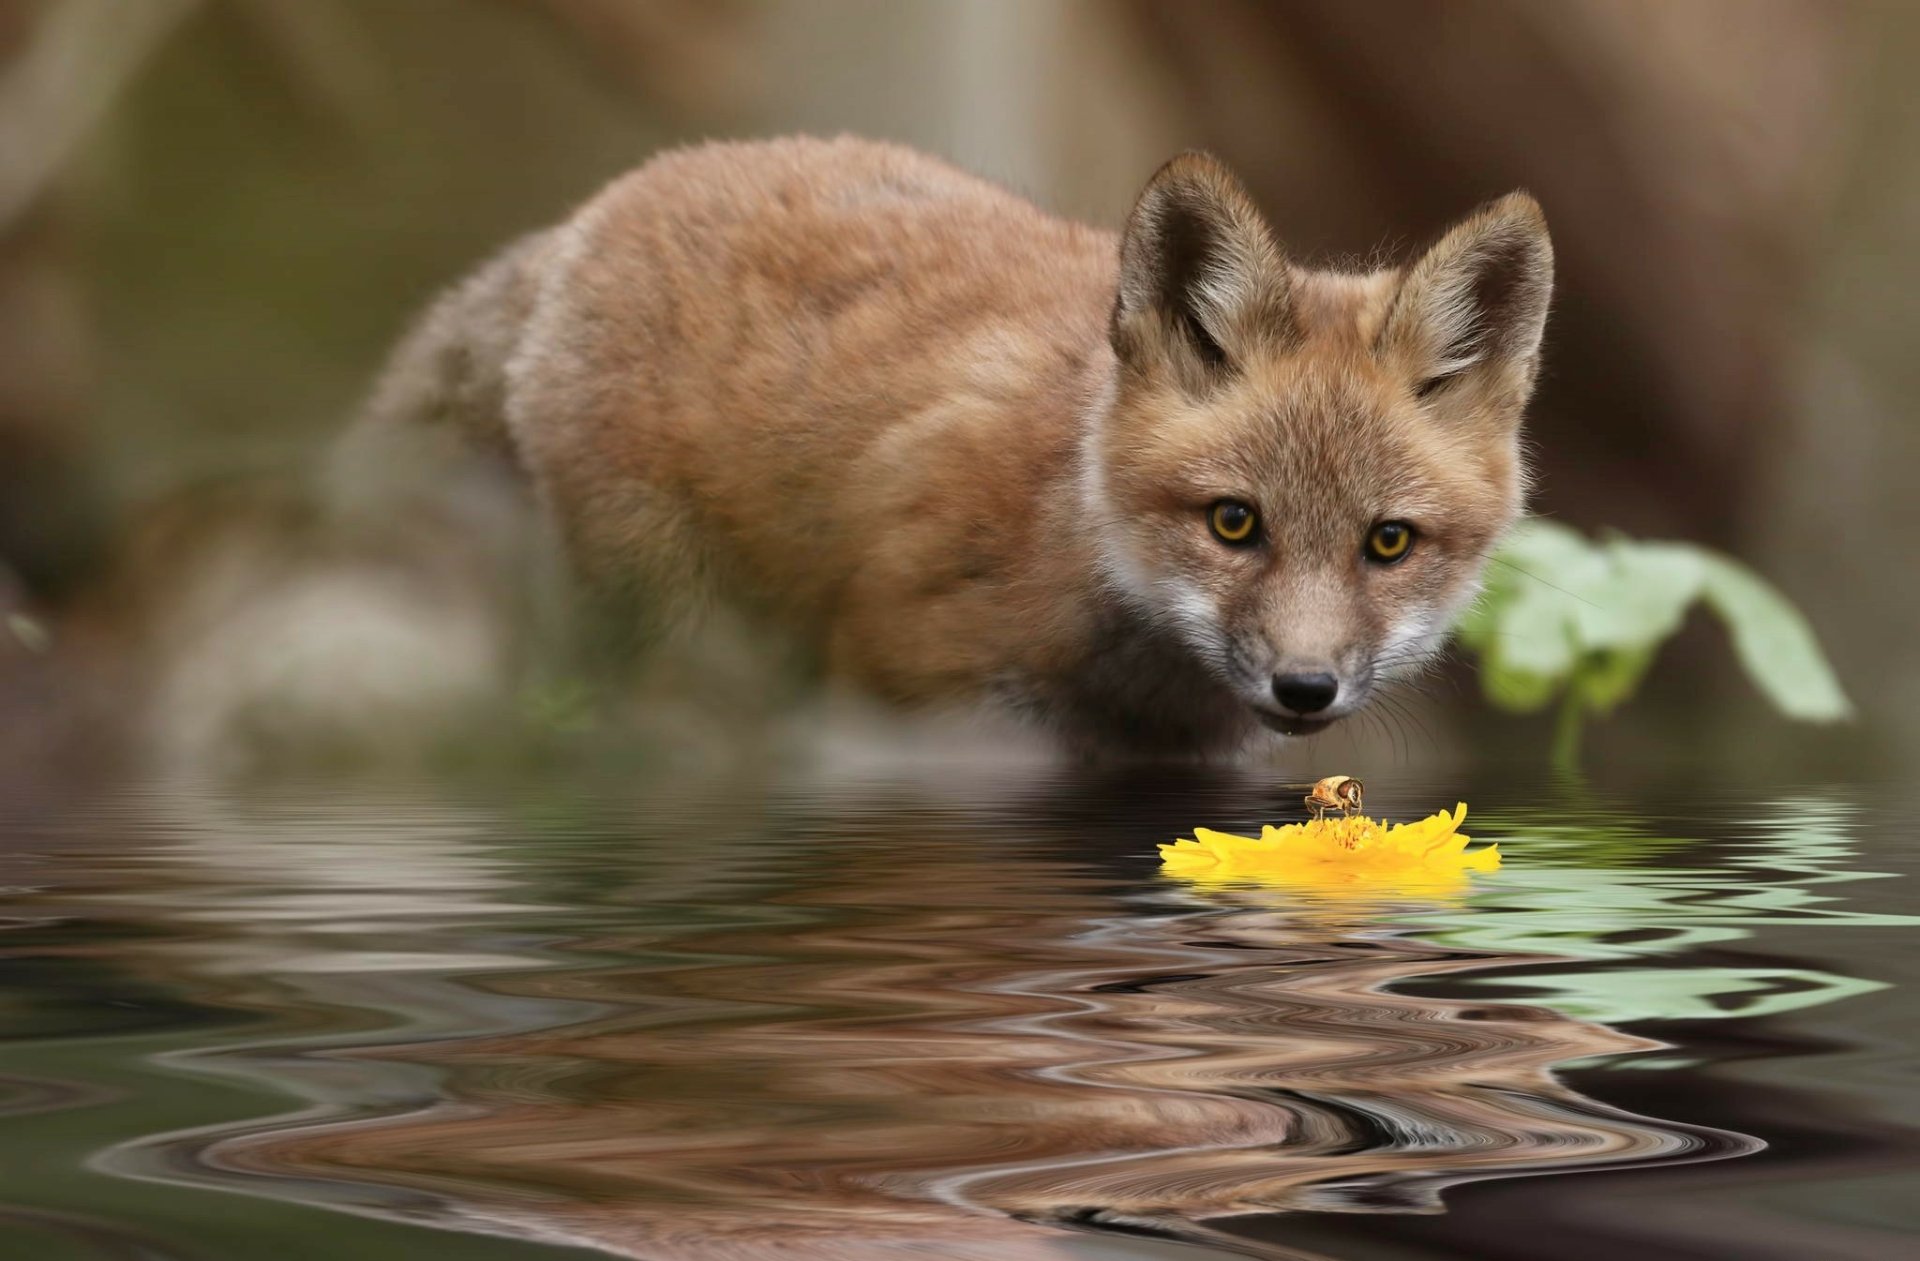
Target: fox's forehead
(1326,438)
(1334,422)
(1340,309)
(1340,438)
(1319,427)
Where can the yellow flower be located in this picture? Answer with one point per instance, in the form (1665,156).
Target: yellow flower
(1342,857)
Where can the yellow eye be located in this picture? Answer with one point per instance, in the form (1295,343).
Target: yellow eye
(1389,541)
(1232,521)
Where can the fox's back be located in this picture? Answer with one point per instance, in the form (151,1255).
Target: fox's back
(800,341)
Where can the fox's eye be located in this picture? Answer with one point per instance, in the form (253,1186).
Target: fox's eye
(1389,541)
(1233,522)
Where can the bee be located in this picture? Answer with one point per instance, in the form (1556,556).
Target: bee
(1335,792)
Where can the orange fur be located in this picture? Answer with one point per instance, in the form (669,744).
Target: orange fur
(963,450)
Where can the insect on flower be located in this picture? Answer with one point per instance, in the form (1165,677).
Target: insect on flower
(1335,792)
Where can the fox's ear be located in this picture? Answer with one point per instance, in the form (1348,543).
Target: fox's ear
(1201,281)
(1469,316)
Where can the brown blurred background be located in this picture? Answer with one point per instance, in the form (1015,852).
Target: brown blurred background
(215,215)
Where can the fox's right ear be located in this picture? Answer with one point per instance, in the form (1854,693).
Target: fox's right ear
(1201,281)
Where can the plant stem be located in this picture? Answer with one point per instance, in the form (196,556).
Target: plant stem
(1566,730)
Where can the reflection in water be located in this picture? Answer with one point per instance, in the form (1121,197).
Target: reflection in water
(1587,895)
(880,1029)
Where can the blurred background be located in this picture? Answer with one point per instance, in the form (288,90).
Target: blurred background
(215,215)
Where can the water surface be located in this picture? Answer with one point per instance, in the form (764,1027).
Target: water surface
(871,1019)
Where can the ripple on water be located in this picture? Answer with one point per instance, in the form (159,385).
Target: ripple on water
(849,1032)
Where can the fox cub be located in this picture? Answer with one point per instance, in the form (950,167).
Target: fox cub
(1152,492)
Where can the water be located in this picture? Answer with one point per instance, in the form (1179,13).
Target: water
(554,1018)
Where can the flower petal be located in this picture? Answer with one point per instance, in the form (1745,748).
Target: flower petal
(1348,856)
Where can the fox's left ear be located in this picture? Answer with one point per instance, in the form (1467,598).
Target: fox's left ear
(1468,317)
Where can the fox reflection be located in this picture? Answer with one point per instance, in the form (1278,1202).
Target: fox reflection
(937,1050)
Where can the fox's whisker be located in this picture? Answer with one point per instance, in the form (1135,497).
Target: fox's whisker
(1400,706)
(1526,573)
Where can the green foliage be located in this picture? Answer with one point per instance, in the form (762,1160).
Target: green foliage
(1564,616)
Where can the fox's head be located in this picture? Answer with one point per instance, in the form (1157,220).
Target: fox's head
(1301,473)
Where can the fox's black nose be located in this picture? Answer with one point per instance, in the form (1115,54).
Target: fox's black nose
(1305,693)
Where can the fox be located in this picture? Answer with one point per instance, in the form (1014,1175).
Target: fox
(1159,492)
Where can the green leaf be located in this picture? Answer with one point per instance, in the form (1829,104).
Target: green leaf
(1558,609)
(1534,635)
(1639,597)
(1516,690)
(1610,676)
(1531,545)
(1546,547)
(1774,643)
